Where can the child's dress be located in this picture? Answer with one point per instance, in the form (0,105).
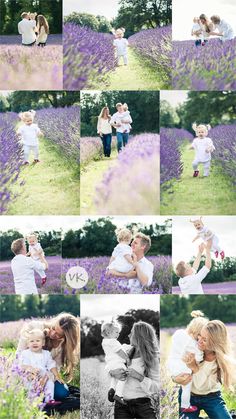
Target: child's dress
(29,135)
(120,264)
(33,249)
(206,235)
(200,146)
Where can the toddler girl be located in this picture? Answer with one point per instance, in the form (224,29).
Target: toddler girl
(121,258)
(125,115)
(203,147)
(186,341)
(29,133)
(120,43)
(39,363)
(34,250)
(197,32)
(206,234)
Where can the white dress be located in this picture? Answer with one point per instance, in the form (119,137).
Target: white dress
(200,145)
(120,264)
(206,235)
(33,249)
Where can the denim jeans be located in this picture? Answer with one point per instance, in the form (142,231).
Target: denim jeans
(213,405)
(122,140)
(135,409)
(106,141)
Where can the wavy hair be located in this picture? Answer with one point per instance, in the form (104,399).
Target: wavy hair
(146,341)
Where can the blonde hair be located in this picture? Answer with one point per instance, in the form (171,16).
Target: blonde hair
(125,106)
(145,339)
(34,332)
(195,326)
(145,241)
(28,114)
(108,327)
(17,246)
(215,19)
(103,112)
(180,269)
(24,14)
(201,126)
(123,234)
(35,235)
(118,105)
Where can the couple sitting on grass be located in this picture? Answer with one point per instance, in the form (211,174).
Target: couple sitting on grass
(32,31)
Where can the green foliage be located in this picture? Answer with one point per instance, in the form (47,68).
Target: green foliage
(96,23)
(4,104)
(168,115)
(143,106)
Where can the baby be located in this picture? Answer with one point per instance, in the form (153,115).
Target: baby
(39,363)
(120,44)
(186,341)
(121,258)
(125,115)
(206,234)
(197,32)
(34,250)
(203,147)
(29,132)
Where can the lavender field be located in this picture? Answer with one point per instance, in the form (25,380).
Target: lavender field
(52,286)
(99,284)
(91,149)
(216,288)
(211,67)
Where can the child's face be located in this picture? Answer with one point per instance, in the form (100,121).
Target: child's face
(32,240)
(198,224)
(119,34)
(113,333)
(120,109)
(35,343)
(196,20)
(201,132)
(28,120)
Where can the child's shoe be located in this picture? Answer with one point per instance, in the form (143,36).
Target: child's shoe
(111,394)
(222,255)
(195,173)
(44,280)
(25,163)
(36,161)
(216,253)
(189,409)
(120,400)
(53,403)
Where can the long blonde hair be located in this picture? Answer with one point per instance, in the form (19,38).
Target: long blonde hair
(197,323)
(104,111)
(146,342)
(42,21)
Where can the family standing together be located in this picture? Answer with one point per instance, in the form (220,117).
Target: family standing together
(203,28)
(33,29)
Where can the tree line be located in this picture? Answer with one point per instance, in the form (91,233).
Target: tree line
(98,238)
(143,106)
(10,12)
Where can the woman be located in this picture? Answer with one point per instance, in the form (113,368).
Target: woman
(105,131)
(207,26)
(207,377)
(140,390)
(42,30)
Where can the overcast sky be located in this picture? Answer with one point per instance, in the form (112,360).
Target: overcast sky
(184,232)
(107,8)
(185,10)
(174,97)
(105,307)
(25,224)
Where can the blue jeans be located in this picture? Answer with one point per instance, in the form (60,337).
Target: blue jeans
(135,409)
(122,140)
(213,404)
(106,141)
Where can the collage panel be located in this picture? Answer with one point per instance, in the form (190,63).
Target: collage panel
(39,134)
(119,153)
(117,45)
(31,51)
(39,356)
(30,255)
(197,335)
(197,152)
(117,255)
(204,261)
(120,356)
(204,45)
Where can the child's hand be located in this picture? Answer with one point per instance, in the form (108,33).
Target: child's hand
(128,362)
(60,380)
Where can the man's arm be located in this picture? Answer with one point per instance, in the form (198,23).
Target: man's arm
(142,277)
(19,30)
(199,255)
(113,272)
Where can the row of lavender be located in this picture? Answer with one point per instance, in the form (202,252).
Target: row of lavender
(91,148)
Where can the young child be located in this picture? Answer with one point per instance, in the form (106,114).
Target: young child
(186,341)
(206,234)
(126,114)
(121,258)
(120,44)
(197,32)
(34,250)
(39,362)
(203,147)
(29,133)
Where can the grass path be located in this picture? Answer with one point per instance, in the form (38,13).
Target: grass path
(51,186)
(213,195)
(91,176)
(137,75)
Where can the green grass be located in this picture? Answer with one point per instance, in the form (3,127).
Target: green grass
(213,195)
(137,75)
(91,176)
(51,186)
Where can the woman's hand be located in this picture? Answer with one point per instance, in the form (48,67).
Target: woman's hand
(134,374)
(190,361)
(182,379)
(119,374)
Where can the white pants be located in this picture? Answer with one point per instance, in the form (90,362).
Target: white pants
(185,396)
(125,58)
(28,149)
(49,390)
(206,166)
(118,386)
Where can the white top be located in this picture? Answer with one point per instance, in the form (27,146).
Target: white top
(113,360)
(42,36)
(121,250)
(182,342)
(120,264)
(205,233)
(147,268)
(42,360)
(33,249)
(23,269)
(121,45)
(191,284)
(200,146)
(104,126)
(118,117)
(196,27)
(26,29)
(226,29)
(29,134)
(205,380)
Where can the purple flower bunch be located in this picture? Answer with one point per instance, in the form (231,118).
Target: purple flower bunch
(208,67)
(91,148)
(224,137)
(88,57)
(11,158)
(132,185)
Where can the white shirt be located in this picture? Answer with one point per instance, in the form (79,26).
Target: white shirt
(196,27)
(35,248)
(26,29)
(29,134)
(147,268)
(113,360)
(120,264)
(121,45)
(42,36)
(117,118)
(42,360)
(191,284)
(205,233)
(23,269)
(104,126)
(226,29)
(200,145)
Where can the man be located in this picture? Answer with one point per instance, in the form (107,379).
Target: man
(190,281)
(26,29)
(23,268)
(225,30)
(121,123)
(142,274)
